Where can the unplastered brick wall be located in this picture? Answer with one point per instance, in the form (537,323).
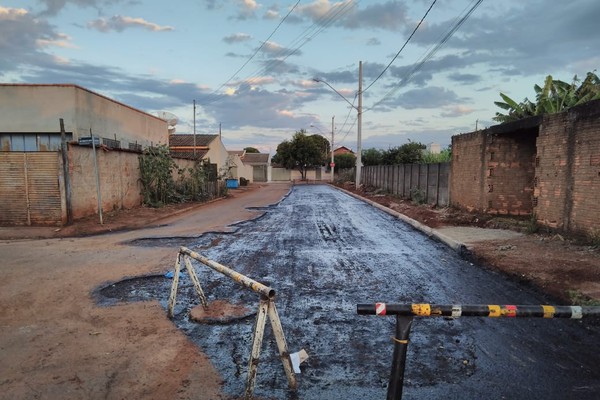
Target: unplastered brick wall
(568,170)
(510,171)
(467,180)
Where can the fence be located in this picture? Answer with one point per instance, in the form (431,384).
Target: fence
(405,312)
(428,183)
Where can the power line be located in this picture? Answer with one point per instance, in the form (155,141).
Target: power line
(214,93)
(403,46)
(430,54)
(307,35)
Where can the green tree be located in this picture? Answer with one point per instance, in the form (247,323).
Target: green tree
(251,150)
(411,152)
(371,156)
(555,96)
(323,145)
(302,152)
(344,161)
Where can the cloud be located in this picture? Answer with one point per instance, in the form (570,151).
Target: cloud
(119,23)
(237,38)
(272,13)
(246,9)
(373,42)
(391,15)
(456,111)
(429,97)
(466,79)
(23,38)
(53,7)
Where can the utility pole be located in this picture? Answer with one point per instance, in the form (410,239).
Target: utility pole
(359,140)
(194,128)
(332,162)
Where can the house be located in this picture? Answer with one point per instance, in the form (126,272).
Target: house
(342,150)
(49,172)
(237,168)
(260,163)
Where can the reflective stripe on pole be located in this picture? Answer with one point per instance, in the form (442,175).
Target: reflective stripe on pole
(236,276)
(478,310)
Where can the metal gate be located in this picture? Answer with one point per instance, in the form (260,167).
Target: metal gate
(30,189)
(259,173)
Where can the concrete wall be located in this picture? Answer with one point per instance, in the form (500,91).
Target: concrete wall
(38,108)
(429,182)
(119,180)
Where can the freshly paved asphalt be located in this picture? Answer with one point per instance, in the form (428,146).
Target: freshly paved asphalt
(324,251)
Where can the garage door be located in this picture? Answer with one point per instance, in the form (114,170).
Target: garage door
(30,189)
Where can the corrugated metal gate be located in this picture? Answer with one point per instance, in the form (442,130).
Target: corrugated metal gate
(30,189)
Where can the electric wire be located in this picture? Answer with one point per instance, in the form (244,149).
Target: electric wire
(429,55)
(403,46)
(307,35)
(257,50)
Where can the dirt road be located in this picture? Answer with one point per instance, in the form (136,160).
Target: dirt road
(56,343)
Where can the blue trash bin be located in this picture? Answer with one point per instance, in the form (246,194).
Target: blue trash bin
(232,183)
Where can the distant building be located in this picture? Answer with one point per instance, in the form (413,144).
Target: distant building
(342,150)
(434,148)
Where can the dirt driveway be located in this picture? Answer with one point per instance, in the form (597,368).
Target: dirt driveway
(57,343)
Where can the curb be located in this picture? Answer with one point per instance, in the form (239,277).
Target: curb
(455,245)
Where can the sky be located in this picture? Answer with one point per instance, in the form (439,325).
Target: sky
(250,65)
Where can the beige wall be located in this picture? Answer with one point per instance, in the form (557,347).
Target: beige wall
(38,108)
(119,180)
(240,170)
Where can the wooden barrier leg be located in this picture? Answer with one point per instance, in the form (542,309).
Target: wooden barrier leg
(403,325)
(282,345)
(173,296)
(195,281)
(259,330)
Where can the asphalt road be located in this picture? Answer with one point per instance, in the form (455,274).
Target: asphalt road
(324,252)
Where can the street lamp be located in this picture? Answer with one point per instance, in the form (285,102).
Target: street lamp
(332,164)
(359,123)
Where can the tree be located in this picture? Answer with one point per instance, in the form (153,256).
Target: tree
(302,152)
(371,157)
(323,145)
(344,161)
(251,150)
(411,152)
(555,96)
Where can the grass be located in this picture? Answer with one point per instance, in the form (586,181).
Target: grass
(580,299)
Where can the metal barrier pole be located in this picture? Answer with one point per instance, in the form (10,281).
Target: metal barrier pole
(403,325)
(478,310)
(405,312)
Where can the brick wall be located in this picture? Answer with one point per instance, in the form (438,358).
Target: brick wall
(467,177)
(509,171)
(547,165)
(568,170)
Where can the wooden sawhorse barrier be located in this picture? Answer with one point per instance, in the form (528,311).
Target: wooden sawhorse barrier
(266,308)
